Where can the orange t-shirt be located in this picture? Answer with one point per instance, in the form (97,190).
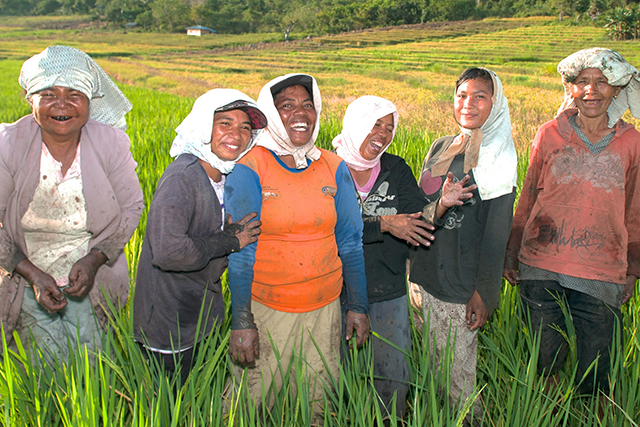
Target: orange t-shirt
(297,268)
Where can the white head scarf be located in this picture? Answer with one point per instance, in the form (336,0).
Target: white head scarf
(497,170)
(194,133)
(359,119)
(275,137)
(69,67)
(618,73)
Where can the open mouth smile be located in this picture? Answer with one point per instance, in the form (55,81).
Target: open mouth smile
(232,147)
(377,145)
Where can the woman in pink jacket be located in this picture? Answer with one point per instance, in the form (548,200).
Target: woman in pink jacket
(69,202)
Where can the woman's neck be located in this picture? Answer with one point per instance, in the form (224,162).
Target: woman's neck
(594,128)
(212,172)
(289,161)
(63,150)
(361,177)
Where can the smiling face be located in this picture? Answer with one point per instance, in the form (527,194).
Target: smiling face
(592,93)
(378,139)
(231,134)
(472,103)
(61,112)
(298,114)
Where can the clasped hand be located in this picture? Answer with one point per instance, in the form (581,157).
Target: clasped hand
(47,292)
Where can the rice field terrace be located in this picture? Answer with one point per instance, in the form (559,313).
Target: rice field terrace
(415,67)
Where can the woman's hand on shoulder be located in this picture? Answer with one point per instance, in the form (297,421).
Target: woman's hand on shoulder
(408,227)
(455,193)
(245,230)
(83,273)
(244,346)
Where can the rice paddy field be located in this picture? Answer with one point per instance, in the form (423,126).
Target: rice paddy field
(415,67)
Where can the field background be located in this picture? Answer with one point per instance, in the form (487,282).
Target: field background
(413,66)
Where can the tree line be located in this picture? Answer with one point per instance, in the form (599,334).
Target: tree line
(326,16)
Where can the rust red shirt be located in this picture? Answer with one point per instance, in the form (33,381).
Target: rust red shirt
(579,213)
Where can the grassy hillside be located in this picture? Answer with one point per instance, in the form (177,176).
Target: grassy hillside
(415,67)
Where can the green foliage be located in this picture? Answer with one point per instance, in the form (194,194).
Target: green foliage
(120,11)
(623,23)
(321,16)
(240,16)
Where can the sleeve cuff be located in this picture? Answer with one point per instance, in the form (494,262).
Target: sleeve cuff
(372,232)
(357,308)
(242,319)
(430,214)
(16,259)
(227,239)
(111,253)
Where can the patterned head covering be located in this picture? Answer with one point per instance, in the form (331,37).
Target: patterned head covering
(489,151)
(618,73)
(359,119)
(275,136)
(69,67)
(194,133)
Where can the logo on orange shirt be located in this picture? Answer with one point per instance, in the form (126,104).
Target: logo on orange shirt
(270,193)
(329,191)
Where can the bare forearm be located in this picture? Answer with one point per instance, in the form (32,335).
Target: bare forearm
(28,270)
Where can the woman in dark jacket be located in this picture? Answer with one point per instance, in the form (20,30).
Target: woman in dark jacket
(187,238)
(460,275)
(391,206)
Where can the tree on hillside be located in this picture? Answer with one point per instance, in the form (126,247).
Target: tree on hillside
(569,7)
(452,10)
(68,7)
(120,12)
(171,13)
(623,23)
(46,7)
(16,7)
(301,16)
(225,16)
(253,14)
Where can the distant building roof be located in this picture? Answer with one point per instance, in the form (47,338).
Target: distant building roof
(200,27)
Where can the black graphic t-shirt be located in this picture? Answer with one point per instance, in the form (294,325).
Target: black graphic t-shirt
(394,192)
(470,240)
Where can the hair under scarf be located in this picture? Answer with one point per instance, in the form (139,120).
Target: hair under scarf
(275,136)
(67,66)
(489,151)
(359,120)
(618,73)
(194,133)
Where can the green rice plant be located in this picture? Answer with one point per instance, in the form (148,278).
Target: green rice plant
(509,367)
(13,104)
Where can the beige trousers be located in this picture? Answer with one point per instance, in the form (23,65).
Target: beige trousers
(448,327)
(286,348)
